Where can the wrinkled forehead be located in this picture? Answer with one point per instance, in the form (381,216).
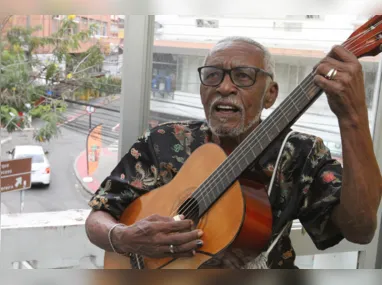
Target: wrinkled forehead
(231,54)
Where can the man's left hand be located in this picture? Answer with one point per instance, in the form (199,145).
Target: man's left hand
(346,91)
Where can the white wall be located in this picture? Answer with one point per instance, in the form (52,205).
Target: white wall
(58,240)
(48,240)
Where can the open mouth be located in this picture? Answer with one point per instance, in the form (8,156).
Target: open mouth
(228,109)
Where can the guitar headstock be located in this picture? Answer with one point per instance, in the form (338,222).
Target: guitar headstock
(367,39)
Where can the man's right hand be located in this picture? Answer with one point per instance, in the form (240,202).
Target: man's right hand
(152,237)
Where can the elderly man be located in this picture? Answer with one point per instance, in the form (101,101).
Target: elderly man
(333,203)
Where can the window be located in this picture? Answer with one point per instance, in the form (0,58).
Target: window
(304,17)
(121,23)
(114,28)
(74,30)
(101,29)
(202,23)
(316,17)
(84,21)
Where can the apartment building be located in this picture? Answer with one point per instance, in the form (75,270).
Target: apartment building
(109,31)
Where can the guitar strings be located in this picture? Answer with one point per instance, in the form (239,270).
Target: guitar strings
(204,191)
(198,195)
(204,194)
(350,40)
(361,45)
(261,132)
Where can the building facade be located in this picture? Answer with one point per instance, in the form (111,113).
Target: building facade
(297,44)
(108,32)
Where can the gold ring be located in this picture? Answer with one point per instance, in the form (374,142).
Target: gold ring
(334,74)
(330,75)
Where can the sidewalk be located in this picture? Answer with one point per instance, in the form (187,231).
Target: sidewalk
(5,140)
(4,136)
(108,161)
(4,209)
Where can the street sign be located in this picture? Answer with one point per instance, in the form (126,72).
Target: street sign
(16,174)
(18,182)
(90,109)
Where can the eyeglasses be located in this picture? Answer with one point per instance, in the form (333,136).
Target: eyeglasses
(240,76)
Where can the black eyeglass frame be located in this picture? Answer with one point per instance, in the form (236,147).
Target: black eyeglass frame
(228,71)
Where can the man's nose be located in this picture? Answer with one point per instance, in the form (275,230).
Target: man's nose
(227,87)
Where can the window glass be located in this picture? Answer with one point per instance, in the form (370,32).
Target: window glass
(296,43)
(74,88)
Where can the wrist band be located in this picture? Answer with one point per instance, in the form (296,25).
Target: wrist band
(111,243)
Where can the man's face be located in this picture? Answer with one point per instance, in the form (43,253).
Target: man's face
(231,110)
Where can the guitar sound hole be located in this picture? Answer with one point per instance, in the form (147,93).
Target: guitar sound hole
(190,209)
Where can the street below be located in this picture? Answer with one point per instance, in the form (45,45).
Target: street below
(65,191)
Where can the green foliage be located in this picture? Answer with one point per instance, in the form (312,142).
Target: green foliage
(9,121)
(50,129)
(41,110)
(25,78)
(51,71)
(111,85)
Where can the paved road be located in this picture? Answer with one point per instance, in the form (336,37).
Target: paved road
(81,123)
(64,192)
(108,118)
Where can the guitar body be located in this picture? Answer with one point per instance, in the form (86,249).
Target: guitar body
(239,218)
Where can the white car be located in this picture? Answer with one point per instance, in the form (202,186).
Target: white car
(40,163)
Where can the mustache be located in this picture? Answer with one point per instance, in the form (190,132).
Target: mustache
(231,99)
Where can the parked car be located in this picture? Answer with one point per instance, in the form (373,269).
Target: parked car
(40,163)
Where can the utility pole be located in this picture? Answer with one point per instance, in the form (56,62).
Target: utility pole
(28,26)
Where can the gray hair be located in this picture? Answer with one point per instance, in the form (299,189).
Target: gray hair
(269,64)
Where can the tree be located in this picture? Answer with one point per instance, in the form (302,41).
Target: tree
(38,88)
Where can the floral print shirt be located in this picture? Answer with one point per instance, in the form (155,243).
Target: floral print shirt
(307,183)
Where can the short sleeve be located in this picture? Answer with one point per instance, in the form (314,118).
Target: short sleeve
(322,189)
(135,174)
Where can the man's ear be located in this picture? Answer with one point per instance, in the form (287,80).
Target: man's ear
(271,95)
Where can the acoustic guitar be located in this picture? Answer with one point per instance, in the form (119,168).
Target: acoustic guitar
(207,189)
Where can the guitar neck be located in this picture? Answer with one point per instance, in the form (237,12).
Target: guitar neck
(285,115)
